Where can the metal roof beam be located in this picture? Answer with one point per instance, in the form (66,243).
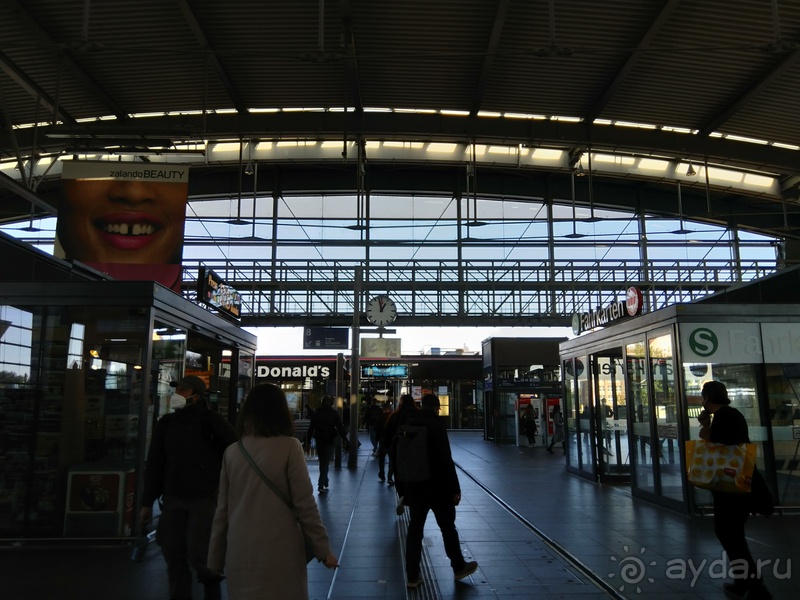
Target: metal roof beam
(633,59)
(488,60)
(85,79)
(20,190)
(26,83)
(200,35)
(788,61)
(352,62)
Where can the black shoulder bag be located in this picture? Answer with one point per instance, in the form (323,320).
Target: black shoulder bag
(307,542)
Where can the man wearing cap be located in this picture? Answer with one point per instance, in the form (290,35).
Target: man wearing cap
(183,466)
(441,493)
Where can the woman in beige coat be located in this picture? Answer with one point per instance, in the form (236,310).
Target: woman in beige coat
(255,536)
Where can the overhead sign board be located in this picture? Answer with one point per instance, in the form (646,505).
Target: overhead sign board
(380,347)
(326,338)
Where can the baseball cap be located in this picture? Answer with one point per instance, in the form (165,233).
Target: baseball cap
(192,382)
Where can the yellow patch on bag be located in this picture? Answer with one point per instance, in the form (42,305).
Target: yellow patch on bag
(731,466)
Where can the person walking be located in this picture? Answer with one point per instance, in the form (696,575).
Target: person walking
(558,430)
(370,417)
(325,424)
(380,432)
(252,515)
(731,511)
(528,420)
(441,493)
(183,465)
(404,412)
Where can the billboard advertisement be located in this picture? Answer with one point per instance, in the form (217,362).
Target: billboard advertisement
(124,219)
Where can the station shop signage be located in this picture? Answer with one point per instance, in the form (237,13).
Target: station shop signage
(630,307)
(283,371)
(749,343)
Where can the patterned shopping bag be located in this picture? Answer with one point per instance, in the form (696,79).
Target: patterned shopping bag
(720,468)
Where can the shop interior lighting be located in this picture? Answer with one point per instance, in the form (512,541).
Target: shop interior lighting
(602,122)
(264,146)
(738,138)
(580,171)
(264,110)
(786,146)
(567,119)
(456,113)
(490,114)
(480,149)
(690,172)
(226,147)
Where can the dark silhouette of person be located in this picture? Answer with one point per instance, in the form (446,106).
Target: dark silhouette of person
(183,465)
(441,493)
(325,424)
(731,511)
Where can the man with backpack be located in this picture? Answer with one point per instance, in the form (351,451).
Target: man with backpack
(423,458)
(325,424)
(183,465)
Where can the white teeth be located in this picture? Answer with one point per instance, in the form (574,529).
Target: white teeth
(125,229)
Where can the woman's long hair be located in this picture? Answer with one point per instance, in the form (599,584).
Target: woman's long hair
(265,413)
(406,403)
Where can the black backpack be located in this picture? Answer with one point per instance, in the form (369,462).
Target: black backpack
(194,455)
(411,453)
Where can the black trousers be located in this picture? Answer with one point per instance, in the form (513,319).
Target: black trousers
(730,514)
(445,513)
(184,531)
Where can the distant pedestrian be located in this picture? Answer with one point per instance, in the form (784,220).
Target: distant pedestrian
(250,515)
(183,465)
(308,412)
(380,431)
(325,424)
(441,493)
(528,421)
(370,417)
(558,430)
(731,511)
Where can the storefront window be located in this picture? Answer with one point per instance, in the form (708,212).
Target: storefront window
(70,400)
(783,388)
(641,441)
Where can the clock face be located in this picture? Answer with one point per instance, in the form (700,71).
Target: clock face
(381,311)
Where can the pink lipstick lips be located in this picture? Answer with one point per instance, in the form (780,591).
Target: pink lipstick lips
(128,231)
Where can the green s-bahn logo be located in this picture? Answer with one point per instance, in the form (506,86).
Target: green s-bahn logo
(703,342)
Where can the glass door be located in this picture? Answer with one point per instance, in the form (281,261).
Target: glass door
(579,414)
(640,454)
(612,413)
(665,403)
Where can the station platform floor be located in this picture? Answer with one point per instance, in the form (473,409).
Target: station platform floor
(537,533)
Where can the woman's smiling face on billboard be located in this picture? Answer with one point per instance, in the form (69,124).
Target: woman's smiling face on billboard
(112,221)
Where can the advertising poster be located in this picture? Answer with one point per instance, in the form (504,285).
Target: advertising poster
(124,219)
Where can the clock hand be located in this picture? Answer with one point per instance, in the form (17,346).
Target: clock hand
(381,304)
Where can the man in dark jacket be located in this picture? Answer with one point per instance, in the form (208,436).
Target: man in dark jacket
(370,418)
(441,493)
(325,424)
(380,432)
(183,465)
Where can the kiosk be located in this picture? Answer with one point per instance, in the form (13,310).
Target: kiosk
(85,374)
(632,391)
